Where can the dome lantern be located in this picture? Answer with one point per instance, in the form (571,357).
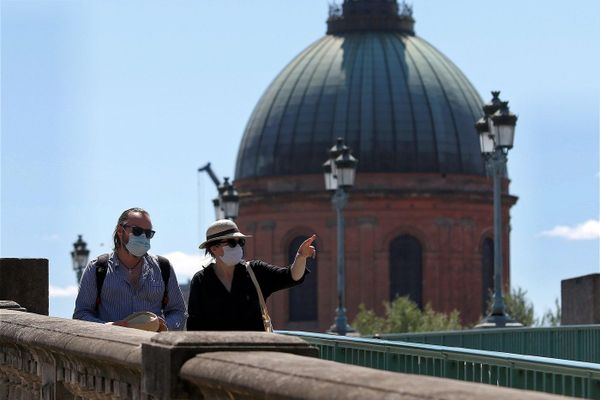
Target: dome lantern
(370,15)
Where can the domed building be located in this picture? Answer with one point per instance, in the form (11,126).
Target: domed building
(419,217)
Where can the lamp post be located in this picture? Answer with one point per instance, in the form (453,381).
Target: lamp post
(227,203)
(80,256)
(496,132)
(229,200)
(339,172)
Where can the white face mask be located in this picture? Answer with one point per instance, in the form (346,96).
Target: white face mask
(232,256)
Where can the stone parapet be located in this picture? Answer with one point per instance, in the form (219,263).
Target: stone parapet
(55,358)
(171,350)
(59,359)
(267,375)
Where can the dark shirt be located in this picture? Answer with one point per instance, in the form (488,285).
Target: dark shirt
(212,308)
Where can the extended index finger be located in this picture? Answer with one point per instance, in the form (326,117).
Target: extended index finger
(309,241)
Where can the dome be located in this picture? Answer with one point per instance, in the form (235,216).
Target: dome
(399,103)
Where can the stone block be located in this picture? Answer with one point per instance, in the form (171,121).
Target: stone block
(11,305)
(260,375)
(171,350)
(25,281)
(580,300)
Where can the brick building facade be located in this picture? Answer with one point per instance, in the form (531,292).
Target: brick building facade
(450,217)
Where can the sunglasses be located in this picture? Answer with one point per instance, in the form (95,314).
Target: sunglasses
(233,242)
(137,231)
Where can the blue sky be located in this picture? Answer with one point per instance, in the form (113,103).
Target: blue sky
(110,104)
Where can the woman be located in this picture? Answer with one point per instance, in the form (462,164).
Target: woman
(223,296)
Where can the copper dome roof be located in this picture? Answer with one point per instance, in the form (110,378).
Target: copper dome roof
(399,103)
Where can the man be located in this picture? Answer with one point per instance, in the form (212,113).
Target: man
(130,280)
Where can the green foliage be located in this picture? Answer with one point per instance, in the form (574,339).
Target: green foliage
(552,318)
(403,315)
(521,309)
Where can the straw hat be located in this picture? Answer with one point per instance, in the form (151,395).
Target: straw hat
(144,320)
(222,229)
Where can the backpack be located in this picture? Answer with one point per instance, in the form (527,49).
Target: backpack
(102,267)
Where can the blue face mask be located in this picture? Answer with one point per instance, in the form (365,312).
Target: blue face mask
(138,245)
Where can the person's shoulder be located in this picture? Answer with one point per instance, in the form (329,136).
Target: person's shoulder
(152,259)
(202,272)
(160,262)
(105,259)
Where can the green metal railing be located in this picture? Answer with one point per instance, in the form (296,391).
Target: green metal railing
(576,342)
(571,378)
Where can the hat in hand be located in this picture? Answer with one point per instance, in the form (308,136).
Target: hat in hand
(144,320)
(222,229)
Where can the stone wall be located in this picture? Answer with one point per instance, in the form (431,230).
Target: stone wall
(53,358)
(25,281)
(580,300)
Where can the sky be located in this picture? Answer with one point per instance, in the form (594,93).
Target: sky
(109,104)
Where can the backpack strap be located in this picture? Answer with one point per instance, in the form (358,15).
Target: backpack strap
(165,272)
(101,268)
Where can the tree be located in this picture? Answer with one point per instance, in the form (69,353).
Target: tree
(403,315)
(518,307)
(521,309)
(551,318)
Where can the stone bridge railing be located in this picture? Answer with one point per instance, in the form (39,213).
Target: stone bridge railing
(53,358)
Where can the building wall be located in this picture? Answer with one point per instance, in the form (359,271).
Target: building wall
(450,216)
(580,300)
(25,281)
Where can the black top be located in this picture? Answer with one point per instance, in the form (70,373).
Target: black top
(212,308)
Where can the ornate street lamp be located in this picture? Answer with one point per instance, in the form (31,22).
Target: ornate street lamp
(227,204)
(339,172)
(80,256)
(218,210)
(496,132)
(229,200)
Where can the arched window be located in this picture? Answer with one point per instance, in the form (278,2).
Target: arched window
(406,269)
(303,298)
(487,273)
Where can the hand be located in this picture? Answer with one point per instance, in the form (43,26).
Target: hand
(163,325)
(306,249)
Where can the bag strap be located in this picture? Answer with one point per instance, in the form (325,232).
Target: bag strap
(263,306)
